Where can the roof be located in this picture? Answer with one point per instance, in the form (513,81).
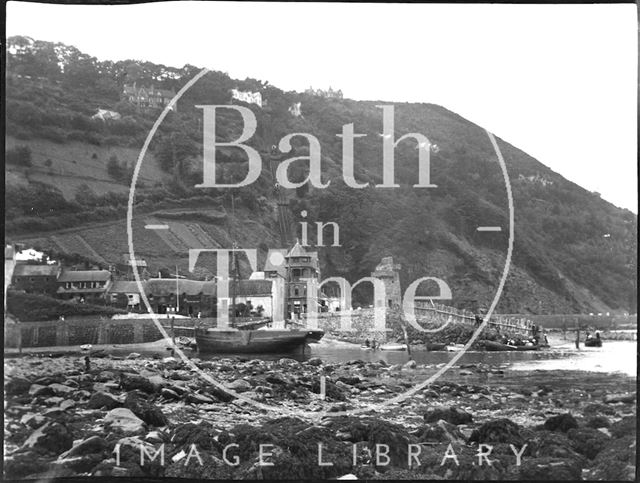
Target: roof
(160,287)
(297,251)
(85,276)
(29,270)
(139,262)
(253,288)
(275,254)
(125,286)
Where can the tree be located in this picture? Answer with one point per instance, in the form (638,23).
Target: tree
(115,169)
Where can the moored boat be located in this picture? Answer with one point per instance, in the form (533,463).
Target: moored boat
(593,342)
(393,347)
(260,341)
(491,345)
(431,346)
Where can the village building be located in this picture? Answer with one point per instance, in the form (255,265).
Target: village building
(148,97)
(125,294)
(36,278)
(389,273)
(126,266)
(84,285)
(186,297)
(106,115)
(300,265)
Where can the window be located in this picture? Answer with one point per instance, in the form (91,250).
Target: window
(296,292)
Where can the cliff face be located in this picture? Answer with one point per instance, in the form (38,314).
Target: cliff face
(573,251)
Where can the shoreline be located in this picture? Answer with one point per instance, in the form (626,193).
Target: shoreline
(570,421)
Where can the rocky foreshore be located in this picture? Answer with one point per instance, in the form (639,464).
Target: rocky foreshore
(157,417)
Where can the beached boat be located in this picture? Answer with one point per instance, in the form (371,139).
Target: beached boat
(593,342)
(259,341)
(490,345)
(393,347)
(431,346)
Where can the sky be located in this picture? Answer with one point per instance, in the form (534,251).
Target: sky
(557,81)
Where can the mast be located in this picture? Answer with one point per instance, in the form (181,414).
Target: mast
(177,292)
(233,265)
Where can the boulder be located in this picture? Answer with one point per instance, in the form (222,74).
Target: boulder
(616,461)
(440,432)
(587,441)
(314,361)
(450,414)
(598,422)
(562,422)
(549,469)
(133,355)
(61,389)
(93,444)
(409,365)
(124,420)
(52,437)
(627,397)
(37,390)
(129,382)
(239,385)
(102,399)
(17,386)
(195,398)
(625,427)
(169,393)
(148,412)
(498,431)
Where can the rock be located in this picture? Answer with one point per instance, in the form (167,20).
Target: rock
(616,461)
(102,399)
(348,476)
(239,385)
(154,437)
(465,372)
(32,420)
(17,386)
(441,432)
(105,376)
(409,365)
(60,389)
(546,469)
(350,380)
(587,441)
(597,408)
(124,420)
(498,431)
(561,422)
(625,427)
(628,397)
(129,382)
(451,415)
(169,393)
(145,410)
(76,464)
(199,399)
(51,437)
(286,361)
(219,394)
(37,390)
(93,444)
(552,444)
(133,355)
(314,361)
(598,422)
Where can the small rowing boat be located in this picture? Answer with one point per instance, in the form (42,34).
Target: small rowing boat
(490,345)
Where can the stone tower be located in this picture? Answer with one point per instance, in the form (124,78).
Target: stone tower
(389,273)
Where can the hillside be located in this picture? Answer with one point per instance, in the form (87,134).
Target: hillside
(69,192)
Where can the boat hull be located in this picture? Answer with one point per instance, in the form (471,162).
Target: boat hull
(593,343)
(233,341)
(490,345)
(393,347)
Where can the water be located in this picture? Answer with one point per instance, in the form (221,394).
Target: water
(614,356)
